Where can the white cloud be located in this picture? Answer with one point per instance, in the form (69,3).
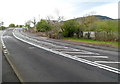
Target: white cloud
(110,10)
(19,11)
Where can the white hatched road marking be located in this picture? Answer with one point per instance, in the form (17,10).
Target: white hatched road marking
(107,62)
(92,56)
(43,42)
(112,69)
(67,49)
(84,52)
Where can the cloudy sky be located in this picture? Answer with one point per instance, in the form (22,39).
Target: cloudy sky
(19,11)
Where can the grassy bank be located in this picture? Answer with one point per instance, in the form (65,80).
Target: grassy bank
(94,42)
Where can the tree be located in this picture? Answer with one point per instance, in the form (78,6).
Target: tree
(87,22)
(42,26)
(27,24)
(21,26)
(49,19)
(106,30)
(1,23)
(60,19)
(70,27)
(12,25)
(34,21)
(79,30)
(17,25)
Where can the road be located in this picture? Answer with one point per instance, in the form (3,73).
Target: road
(0,59)
(44,60)
(7,75)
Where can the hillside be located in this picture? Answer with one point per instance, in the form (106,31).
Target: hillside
(103,17)
(98,17)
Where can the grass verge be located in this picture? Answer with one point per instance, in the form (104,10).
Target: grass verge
(94,42)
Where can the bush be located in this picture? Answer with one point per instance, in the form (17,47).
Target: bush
(42,26)
(70,27)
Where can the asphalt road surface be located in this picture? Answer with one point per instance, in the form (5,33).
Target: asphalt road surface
(0,59)
(7,75)
(44,60)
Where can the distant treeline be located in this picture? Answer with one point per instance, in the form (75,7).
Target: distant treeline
(2,28)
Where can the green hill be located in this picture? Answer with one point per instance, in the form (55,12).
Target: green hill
(103,17)
(98,17)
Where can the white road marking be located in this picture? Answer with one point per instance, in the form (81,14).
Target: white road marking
(65,49)
(44,43)
(6,37)
(92,56)
(31,47)
(111,62)
(115,70)
(3,45)
(60,47)
(84,52)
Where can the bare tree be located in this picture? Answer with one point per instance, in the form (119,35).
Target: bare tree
(28,23)
(1,23)
(50,19)
(88,21)
(59,17)
(34,21)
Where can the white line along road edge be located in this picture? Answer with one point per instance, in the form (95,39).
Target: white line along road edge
(3,45)
(9,61)
(115,70)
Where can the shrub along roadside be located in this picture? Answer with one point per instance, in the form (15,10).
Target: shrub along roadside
(70,27)
(102,30)
(42,26)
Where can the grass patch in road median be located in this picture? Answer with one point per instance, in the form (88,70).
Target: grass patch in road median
(94,42)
